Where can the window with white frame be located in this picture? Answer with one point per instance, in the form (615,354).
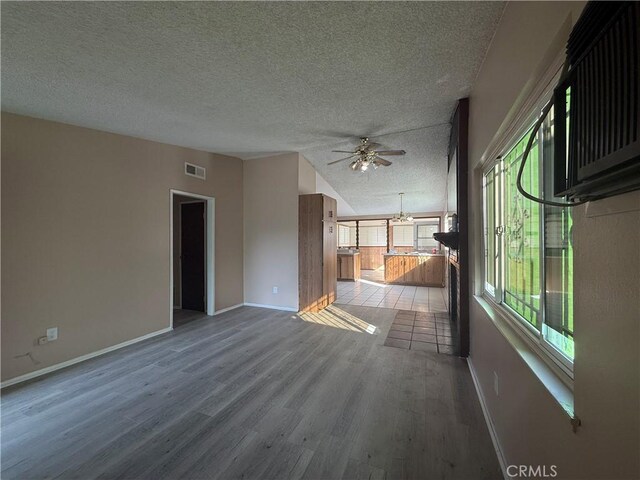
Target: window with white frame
(528,253)
(373,236)
(402,235)
(347,234)
(424,234)
(343,236)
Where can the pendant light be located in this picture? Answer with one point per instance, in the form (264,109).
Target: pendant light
(402,216)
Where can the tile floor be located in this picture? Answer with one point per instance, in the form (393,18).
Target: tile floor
(429,332)
(373,275)
(375,294)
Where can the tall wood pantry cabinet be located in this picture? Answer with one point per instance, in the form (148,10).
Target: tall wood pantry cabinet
(317,251)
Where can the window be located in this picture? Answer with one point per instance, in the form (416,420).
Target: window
(492,220)
(528,256)
(417,234)
(424,234)
(373,233)
(402,235)
(343,236)
(346,234)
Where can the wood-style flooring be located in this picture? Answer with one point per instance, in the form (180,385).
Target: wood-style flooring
(253,393)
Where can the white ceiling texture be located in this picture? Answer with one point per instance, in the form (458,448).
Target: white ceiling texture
(250,79)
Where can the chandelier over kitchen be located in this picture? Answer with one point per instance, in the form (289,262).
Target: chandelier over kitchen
(402,216)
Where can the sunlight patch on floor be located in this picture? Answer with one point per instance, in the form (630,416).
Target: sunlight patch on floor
(376,284)
(333,316)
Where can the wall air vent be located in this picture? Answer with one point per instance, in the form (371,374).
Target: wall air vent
(195,171)
(600,97)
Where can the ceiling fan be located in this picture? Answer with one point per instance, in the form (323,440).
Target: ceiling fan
(366,156)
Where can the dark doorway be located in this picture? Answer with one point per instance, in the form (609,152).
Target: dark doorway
(192,256)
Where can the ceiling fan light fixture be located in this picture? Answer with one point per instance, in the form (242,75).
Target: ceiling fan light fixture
(367,153)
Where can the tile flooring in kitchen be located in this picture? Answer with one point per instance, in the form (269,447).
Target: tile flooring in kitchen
(429,332)
(399,297)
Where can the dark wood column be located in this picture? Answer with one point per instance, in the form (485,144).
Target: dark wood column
(388,234)
(459,153)
(358,234)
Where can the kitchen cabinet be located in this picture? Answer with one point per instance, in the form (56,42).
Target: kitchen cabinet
(348,266)
(414,269)
(317,252)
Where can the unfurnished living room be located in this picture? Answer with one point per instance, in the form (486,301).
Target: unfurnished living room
(320,240)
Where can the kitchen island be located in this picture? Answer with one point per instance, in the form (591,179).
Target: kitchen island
(420,269)
(348,265)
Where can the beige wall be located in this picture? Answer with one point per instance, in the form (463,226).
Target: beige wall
(531,427)
(86,237)
(271,188)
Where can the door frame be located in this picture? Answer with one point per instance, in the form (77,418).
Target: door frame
(210,228)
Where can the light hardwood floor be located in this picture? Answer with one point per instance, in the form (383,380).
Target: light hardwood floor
(253,393)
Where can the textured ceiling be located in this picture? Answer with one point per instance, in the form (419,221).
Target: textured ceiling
(249,79)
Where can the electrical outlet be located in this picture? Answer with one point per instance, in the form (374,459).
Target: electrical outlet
(495,383)
(275,289)
(52,334)
(42,340)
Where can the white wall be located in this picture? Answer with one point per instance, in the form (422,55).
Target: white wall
(306,176)
(531,426)
(344,209)
(271,187)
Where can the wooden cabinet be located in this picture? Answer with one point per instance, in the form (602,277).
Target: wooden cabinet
(349,266)
(421,270)
(372,257)
(317,252)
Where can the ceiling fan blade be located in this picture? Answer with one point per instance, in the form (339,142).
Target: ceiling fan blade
(371,146)
(390,152)
(381,161)
(341,160)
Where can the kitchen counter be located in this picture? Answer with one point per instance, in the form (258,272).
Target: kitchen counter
(421,269)
(416,254)
(349,266)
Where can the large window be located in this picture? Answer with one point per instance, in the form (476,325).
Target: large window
(373,233)
(417,234)
(424,234)
(347,234)
(528,255)
(402,235)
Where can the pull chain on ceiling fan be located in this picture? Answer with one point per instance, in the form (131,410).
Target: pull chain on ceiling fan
(367,156)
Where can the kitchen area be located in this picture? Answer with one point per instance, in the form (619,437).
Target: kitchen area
(391,252)
(397,264)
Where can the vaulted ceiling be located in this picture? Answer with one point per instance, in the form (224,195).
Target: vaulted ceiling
(250,79)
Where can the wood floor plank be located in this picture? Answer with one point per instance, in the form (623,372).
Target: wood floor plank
(252,393)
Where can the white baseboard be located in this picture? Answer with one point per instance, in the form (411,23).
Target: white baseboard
(492,429)
(82,358)
(232,307)
(273,307)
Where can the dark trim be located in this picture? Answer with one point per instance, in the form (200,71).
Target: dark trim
(459,152)
(388,227)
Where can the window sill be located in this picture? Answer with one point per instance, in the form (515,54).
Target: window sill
(555,380)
